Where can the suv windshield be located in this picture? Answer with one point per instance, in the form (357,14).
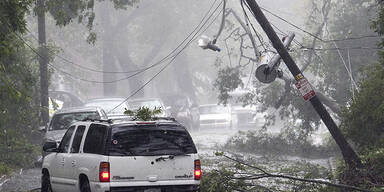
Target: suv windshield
(61,121)
(148,140)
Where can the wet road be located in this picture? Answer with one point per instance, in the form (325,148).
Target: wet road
(24,180)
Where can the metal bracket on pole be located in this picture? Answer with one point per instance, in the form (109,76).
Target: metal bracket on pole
(267,73)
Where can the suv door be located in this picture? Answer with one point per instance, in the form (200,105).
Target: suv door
(91,152)
(58,178)
(70,166)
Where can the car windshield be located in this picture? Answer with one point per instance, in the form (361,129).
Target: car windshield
(217,109)
(62,121)
(149,140)
(107,106)
(151,104)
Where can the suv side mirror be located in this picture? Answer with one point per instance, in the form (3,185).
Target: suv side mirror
(43,128)
(50,146)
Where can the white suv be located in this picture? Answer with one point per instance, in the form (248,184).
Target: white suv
(120,156)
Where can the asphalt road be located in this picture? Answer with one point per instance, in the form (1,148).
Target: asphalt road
(22,181)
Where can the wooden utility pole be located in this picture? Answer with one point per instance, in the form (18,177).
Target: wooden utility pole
(349,155)
(43,60)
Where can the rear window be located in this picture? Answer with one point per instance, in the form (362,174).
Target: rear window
(148,140)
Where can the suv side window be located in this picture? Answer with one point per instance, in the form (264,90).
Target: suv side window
(95,139)
(64,144)
(77,139)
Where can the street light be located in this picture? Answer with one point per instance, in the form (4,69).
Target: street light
(206,43)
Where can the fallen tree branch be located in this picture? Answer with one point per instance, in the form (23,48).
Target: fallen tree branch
(265,174)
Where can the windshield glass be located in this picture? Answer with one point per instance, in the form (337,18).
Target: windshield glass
(62,121)
(213,109)
(134,105)
(148,140)
(107,106)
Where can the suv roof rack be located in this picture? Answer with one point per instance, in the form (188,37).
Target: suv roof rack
(130,119)
(99,120)
(164,118)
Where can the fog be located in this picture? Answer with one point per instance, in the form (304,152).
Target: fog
(140,36)
(202,63)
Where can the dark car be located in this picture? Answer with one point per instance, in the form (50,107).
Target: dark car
(184,110)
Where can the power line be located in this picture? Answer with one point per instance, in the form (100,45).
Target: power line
(340,48)
(314,36)
(249,21)
(162,69)
(326,41)
(279,31)
(167,57)
(170,62)
(139,71)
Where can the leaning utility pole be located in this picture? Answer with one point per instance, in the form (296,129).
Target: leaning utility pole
(43,60)
(349,155)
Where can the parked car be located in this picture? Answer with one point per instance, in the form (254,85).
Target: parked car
(215,116)
(111,105)
(245,117)
(151,103)
(184,110)
(149,156)
(61,120)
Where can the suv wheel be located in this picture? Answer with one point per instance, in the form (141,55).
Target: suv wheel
(46,183)
(85,186)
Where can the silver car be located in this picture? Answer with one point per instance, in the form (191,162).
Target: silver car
(215,116)
(61,120)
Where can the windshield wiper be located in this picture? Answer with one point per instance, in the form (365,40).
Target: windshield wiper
(163,158)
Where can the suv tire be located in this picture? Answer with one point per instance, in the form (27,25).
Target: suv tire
(85,186)
(45,183)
